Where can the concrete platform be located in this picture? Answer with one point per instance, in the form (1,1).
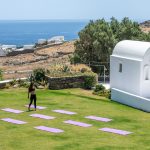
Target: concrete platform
(130,99)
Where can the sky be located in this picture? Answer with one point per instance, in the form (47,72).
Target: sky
(138,10)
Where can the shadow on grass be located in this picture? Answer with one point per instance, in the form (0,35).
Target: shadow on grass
(114,103)
(80,96)
(30,110)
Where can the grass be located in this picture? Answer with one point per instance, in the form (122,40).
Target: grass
(25,137)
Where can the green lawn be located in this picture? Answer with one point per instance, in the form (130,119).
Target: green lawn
(25,137)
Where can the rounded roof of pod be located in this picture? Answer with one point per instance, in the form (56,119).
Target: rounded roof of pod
(131,49)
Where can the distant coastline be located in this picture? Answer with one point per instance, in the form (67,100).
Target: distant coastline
(49,20)
(25,32)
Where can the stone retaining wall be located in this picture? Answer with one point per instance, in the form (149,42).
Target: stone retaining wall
(47,46)
(86,81)
(14,53)
(65,82)
(5,82)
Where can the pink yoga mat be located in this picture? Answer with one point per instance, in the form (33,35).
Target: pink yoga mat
(38,107)
(13,121)
(13,110)
(64,112)
(81,124)
(116,131)
(98,118)
(42,116)
(44,128)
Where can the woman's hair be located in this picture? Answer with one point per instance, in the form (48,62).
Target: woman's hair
(31,87)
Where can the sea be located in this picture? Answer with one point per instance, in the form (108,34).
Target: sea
(26,32)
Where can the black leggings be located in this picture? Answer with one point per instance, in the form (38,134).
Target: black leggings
(33,98)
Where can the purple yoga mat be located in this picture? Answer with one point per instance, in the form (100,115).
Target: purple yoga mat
(13,110)
(116,131)
(64,112)
(81,124)
(13,121)
(38,107)
(98,118)
(44,128)
(42,116)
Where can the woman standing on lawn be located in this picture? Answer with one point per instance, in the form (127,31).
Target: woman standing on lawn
(31,92)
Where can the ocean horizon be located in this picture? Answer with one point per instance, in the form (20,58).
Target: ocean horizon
(22,32)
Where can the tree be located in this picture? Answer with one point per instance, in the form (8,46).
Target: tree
(95,43)
(128,30)
(98,38)
(39,75)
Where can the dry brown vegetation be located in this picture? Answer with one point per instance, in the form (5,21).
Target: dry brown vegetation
(57,54)
(145,29)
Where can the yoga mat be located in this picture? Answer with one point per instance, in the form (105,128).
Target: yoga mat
(44,128)
(42,116)
(13,110)
(98,118)
(13,121)
(116,131)
(81,124)
(64,112)
(38,107)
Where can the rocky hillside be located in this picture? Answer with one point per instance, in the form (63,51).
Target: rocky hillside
(145,26)
(21,65)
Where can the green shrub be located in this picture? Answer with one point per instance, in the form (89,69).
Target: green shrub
(83,70)
(39,74)
(109,94)
(65,68)
(19,83)
(23,83)
(90,80)
(1,75)
(13,82)
(105,93)
(101,91)
(7,86)
(74,58)
(99,87)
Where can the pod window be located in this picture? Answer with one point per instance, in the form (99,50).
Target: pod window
(120,67)
(147,72)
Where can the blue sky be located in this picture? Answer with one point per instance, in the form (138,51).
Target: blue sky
(138,10)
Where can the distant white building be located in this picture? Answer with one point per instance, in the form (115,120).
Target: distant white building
(25,47)
(2,52)
(5,49)
(56,40)
(42,41)
(130,74)
(20,49)
(9,47)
